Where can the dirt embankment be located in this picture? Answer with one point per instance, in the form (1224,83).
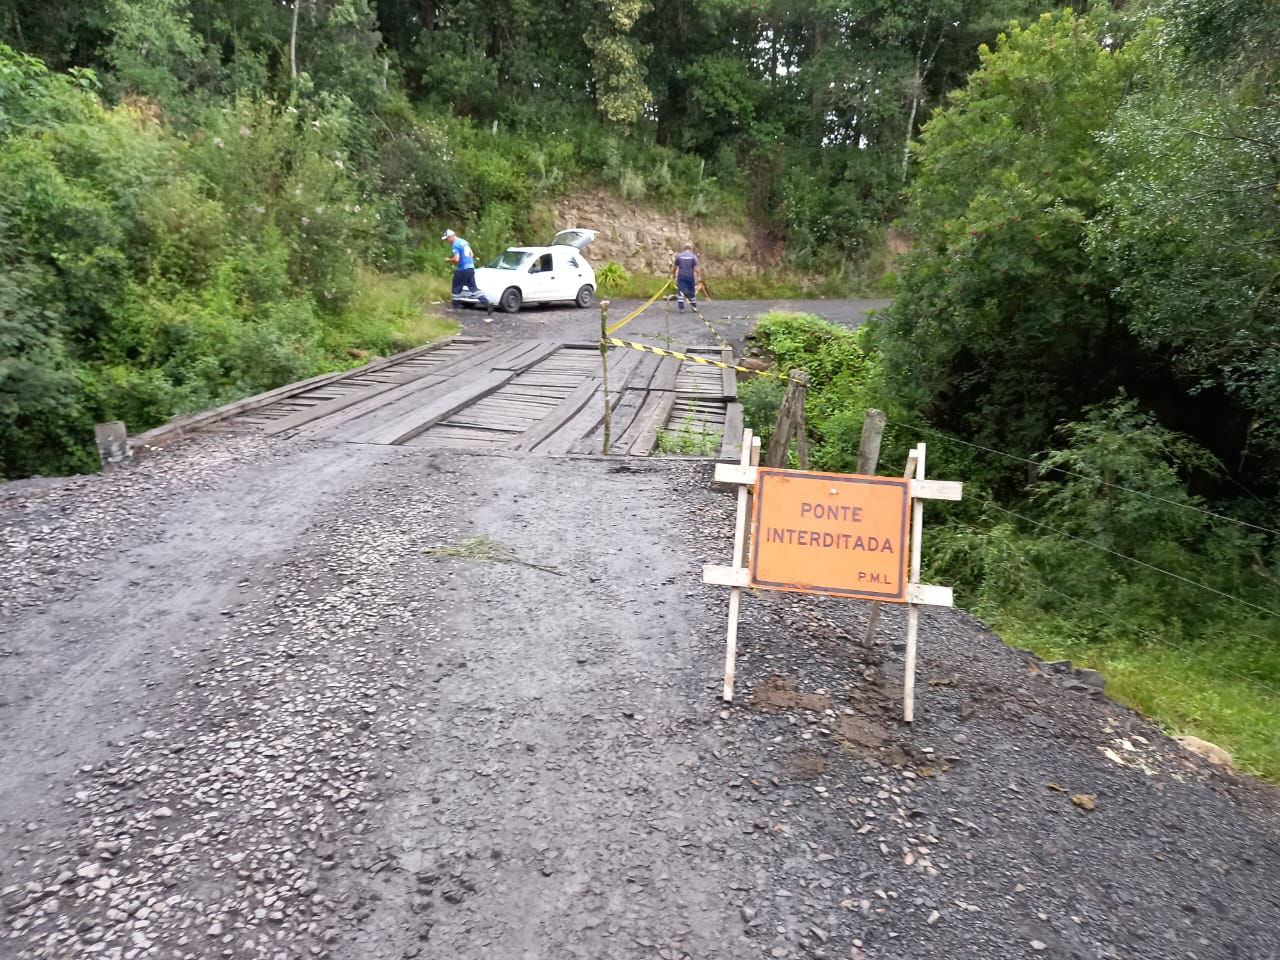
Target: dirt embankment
(642,238)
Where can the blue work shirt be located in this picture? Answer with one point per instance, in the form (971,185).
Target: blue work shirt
(685,262)
(462,250)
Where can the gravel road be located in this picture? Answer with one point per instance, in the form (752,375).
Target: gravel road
(290,700)
(312,700)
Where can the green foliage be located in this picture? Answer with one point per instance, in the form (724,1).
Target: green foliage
(388,314)
(618,60)
(1190,233)
(153,49)
(761,399)
(689,439)
(844,379)
(612,277)
(999,305)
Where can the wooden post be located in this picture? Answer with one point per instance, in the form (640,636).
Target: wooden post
(869,446)
(754,460)
(868,463)
(913,610)
(874,615)
(790,423)
(604,372)
(740,530)
(113,443)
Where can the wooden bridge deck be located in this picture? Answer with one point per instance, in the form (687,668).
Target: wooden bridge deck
(534,396)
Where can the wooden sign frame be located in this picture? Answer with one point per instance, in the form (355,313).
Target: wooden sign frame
(738,575)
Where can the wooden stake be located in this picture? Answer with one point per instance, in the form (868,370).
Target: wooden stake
(740,530)
(790,423)
(604,373)
(913,611)
(873,616)
(869,446)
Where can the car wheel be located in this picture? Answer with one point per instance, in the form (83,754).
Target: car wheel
(510,300)
(583,299)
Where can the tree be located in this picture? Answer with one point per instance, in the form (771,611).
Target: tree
(1001,308)
(1192,226)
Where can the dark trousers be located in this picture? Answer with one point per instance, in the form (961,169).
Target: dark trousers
(464,280)
(686,287)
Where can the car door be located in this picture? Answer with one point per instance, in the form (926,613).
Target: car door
(539,283)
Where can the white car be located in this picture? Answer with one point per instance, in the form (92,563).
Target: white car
(554,273)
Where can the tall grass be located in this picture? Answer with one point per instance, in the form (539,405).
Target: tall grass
(388,314)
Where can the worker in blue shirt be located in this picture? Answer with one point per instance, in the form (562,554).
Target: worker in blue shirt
(464,272)
(687,275)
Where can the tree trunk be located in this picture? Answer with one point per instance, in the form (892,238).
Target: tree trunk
(911,125)
(293,43)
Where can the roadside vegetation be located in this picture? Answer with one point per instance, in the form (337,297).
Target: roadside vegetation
(1085,335)
(205,199)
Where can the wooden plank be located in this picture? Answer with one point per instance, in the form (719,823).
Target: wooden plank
(735,473)
(729,378)
(430,439)
(726,576)
(565,411)
(158,436)
(451,431)
(731,441)
(430,410)
(642,436)
(665,378)
(937,489)
(472,416)
(302,417)
(622,367)
(534,351)
(624,413)
(400,400)
(642,374)
(587,419)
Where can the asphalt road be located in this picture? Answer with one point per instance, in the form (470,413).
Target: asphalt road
(661,322)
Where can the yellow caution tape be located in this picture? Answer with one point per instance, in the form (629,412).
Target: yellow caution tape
(707,323)
(685,356)
(635,313)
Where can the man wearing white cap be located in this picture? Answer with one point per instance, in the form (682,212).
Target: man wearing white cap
(464,273)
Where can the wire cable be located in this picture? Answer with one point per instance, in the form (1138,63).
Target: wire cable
(1142,563)
(639,310)
(1081,476)
(1146,634)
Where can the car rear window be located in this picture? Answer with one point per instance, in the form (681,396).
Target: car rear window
(510,260)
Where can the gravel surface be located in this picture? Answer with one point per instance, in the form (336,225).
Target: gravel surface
(278,700)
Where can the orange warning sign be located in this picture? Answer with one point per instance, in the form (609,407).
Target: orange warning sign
(835,533)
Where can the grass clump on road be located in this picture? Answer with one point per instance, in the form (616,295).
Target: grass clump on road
(483,549)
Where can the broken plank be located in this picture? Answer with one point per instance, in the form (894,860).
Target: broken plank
(642,436)
(624,413)
(564,411)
